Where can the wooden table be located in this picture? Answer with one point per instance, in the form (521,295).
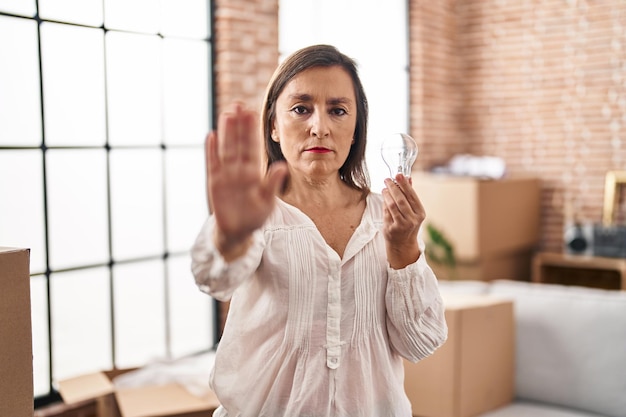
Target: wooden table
(581,270)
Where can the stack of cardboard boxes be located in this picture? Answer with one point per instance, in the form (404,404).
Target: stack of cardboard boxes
(493,225)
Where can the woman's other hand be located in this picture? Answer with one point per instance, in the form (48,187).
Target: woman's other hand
(403,215)
(239,193)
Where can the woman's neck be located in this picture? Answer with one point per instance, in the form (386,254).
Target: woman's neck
(325,193)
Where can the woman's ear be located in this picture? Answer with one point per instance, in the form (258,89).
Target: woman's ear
(275,137)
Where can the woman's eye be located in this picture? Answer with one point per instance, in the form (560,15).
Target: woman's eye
(338,111)
(299,110)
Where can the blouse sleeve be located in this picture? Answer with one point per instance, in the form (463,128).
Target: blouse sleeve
(212,273)
(415,311)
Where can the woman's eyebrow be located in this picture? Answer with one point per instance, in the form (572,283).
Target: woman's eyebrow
(301,97)
(339,100)
(308,97)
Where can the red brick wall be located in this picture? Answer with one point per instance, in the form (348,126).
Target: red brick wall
(435,82)
(246,54)
(541,84)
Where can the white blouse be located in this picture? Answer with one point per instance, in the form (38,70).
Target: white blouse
(311,334)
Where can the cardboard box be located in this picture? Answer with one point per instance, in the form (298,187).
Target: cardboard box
(473,372)
(486,221)
(16,351)
(168,400)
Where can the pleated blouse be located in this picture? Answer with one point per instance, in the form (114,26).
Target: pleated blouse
(311,334)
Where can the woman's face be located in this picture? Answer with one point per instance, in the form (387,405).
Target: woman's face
(315,121)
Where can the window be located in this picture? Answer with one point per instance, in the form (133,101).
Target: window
(104,105)
(375,34)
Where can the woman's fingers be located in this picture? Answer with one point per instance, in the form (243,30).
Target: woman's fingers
(248,140)
(211,156)
(212,163)
(403,197)
(236,185)
(237,133)
(404,212)
(396,201)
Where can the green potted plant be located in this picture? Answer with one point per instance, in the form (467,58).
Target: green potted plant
(439,251)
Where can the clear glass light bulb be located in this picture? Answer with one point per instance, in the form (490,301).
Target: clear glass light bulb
(399,152)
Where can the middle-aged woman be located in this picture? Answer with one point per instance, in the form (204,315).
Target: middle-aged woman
(328,283)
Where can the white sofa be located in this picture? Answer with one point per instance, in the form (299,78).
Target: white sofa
(570,348)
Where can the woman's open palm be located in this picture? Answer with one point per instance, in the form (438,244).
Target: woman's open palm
(240,194)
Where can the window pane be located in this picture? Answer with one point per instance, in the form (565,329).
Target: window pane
(84,12)
(186,197)
(132,15)
(185,18)
(20,105)
(139,299)
(81,322)
(191,311)
(134,88)
(77,207)
(136,203)
(41,339)
(21,204)
(73,61)
(20,7)
(186,91)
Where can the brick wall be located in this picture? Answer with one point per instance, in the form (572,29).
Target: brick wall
(541,84)
(434,81)
(246,49)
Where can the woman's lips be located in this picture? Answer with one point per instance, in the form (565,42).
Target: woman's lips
(318,150)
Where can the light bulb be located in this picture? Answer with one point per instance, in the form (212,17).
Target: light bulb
(399,152)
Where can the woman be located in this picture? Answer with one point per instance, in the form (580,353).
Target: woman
(328,285)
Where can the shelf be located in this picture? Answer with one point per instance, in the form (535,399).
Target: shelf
(580,270)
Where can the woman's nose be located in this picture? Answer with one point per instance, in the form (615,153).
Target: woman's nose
(319,125)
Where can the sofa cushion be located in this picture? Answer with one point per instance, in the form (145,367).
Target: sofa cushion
(465,287)
(570,345)
(527,409)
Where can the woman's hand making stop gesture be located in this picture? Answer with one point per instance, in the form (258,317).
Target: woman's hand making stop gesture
(239,193)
